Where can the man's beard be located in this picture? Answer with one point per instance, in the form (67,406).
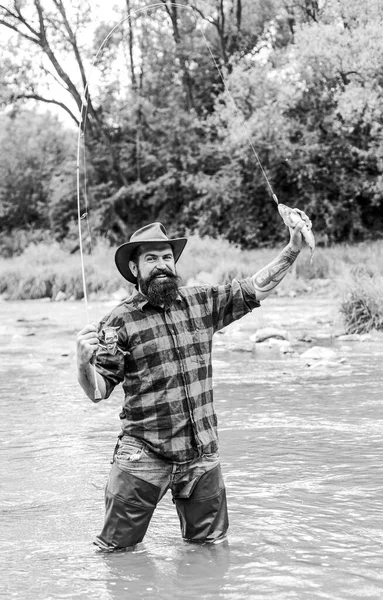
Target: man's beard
(160,292)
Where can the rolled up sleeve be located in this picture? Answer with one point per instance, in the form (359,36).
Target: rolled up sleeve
(232,301)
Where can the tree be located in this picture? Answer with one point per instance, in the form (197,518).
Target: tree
(169,136)
(336,125)
(50,43)
(35,150)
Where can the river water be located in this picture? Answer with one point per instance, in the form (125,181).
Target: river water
(302,455)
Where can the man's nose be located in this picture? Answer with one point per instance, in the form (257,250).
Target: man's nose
(161,264)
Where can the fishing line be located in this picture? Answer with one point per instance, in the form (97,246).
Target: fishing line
(274,197)
(82,130)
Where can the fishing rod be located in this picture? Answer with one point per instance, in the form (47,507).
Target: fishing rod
(82,130)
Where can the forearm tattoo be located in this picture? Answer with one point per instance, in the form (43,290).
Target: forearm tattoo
(269,277)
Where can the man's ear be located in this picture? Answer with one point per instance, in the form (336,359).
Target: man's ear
(133,267)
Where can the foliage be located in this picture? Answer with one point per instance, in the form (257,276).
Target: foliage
(16,242)
(46,268)
(166,138)
(34,150)
(362,309)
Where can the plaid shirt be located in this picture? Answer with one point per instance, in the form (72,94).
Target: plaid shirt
(163,358)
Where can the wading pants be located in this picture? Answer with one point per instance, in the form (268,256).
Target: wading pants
(139,479)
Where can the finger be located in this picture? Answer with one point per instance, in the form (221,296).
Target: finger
(92,342)
(89,335)
(303,215)
(87,350)
(299,226)
(90,345)
(85,334)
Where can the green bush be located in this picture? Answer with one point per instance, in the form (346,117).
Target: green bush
(362,309)
(15,243)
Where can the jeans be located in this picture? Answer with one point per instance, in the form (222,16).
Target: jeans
(139,479)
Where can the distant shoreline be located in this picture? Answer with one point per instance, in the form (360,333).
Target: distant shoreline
(351,273)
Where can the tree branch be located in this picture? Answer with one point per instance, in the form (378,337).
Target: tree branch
(52,57)
(92,118)
(14,28)
(48,101)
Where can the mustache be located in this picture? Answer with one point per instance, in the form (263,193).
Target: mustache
(157,272)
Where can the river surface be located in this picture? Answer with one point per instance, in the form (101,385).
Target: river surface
(302,455)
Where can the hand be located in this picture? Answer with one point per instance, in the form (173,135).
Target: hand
(296,239)
(87,343)
(304,217)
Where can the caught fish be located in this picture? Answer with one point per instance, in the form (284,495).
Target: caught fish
(291,218)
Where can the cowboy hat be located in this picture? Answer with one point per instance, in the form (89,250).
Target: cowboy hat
(153,233)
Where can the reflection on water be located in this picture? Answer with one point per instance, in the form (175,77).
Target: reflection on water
(302,458)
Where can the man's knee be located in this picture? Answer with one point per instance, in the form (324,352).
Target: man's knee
(202,508)
(129,505)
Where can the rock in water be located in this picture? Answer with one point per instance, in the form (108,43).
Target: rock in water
(319,353)
(268,332)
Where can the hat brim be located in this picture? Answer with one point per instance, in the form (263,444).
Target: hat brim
(124,254)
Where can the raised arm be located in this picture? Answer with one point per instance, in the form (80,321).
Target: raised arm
(272,274)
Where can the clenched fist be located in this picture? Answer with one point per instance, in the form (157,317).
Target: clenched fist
(87,343)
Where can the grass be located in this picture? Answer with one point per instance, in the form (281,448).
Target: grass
(362,307)
(43,270)
(354,272)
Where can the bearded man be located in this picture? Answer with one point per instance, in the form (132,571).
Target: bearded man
(158,344)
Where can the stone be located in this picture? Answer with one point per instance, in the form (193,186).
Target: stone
(244,346)
(268,332)
(276,343)
(317,364)
(323,336)
(354,337)
(305,337)
(319,353)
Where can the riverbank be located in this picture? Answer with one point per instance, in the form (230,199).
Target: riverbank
(351,275)
(45,270)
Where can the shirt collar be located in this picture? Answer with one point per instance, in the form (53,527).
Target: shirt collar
(140,301)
